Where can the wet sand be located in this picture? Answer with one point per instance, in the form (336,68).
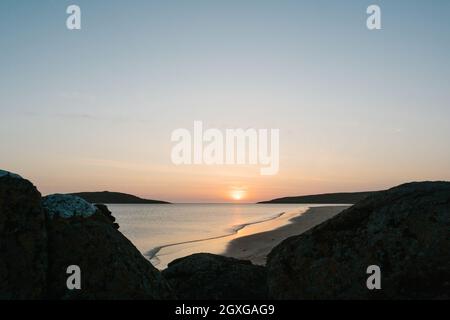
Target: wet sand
(256,247)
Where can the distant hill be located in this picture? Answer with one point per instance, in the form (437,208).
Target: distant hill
(114,198)
(335,198)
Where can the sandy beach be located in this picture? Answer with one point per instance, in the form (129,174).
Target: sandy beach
(256,247)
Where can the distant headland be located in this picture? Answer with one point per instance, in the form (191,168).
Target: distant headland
(115,198)
(335,198)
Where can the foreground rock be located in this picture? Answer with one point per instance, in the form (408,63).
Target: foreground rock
(41,237)
(108,214)
(23,239)
(111,267)
(405,231)
(206,276)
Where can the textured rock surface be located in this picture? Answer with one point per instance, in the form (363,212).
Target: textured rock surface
(66,206)
(404,230)
(41,238)
(23,240)
(208,276)
(111,266)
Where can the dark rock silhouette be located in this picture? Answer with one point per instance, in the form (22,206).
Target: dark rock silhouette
(111,266)
(41,237)
(104,209)
(405,231)
(209,276)
(23,240)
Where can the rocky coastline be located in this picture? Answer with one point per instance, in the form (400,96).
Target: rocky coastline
(403,230)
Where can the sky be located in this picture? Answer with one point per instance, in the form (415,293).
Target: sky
(94,109)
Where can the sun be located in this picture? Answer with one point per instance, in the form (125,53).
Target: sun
(237,194)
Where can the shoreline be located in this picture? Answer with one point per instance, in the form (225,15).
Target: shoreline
(248,241)
(153,254)
(256,247)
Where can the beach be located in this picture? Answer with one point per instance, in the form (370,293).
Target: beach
(255,247)
(163,233)
(245,231)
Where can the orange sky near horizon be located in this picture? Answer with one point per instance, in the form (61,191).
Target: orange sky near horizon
(94,109)
(201,183)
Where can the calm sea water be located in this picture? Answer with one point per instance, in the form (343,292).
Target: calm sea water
(165,232)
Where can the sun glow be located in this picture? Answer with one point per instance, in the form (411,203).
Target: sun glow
(237,194)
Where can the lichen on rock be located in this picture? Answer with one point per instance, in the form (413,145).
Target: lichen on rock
(35,250)
(67,206)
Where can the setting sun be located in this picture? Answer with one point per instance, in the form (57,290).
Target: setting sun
(237,194)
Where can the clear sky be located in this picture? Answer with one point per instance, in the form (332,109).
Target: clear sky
(93,109)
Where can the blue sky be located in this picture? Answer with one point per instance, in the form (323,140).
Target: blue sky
(93,109)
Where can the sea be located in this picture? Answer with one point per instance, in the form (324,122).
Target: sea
(165,232)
